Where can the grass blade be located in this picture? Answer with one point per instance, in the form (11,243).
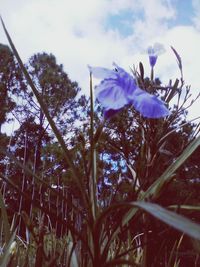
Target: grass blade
(177,221)
(155,189)
(5,225)
(6,254)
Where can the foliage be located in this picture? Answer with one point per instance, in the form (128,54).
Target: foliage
(10,80)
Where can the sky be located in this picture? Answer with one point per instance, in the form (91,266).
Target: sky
(100,32)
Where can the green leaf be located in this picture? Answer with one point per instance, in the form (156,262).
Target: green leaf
(73,260)
(179,61)
(185,207)
(6,253)
(173,91)
(177,221)
(155,189)
(141,67)
(6,225)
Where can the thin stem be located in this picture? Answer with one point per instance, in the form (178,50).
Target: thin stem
(93,153)
(152,74)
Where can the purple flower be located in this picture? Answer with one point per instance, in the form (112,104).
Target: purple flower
(118,89)
(149,105)
(153,52)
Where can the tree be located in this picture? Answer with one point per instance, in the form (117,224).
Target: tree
(32,144)
(11,81)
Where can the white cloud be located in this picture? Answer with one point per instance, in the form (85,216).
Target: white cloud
(196,7)
(153,20)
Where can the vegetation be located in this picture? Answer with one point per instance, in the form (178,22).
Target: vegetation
(81,190)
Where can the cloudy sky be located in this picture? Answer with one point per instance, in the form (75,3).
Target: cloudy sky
(98,32)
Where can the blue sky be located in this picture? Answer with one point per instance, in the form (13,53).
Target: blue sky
(184,12)
(98,32)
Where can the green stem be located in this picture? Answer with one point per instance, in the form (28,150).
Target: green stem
(152,74)
(93,154)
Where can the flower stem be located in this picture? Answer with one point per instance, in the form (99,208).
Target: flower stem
(152,74)
(93,154)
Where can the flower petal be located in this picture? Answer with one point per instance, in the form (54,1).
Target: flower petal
(150,51)
(149,105)
(159,49)
(126,81)
(156,50)
(102,73)
(116,89)
(110,95)
(152,60)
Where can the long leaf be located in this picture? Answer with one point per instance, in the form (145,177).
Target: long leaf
(173,219)
(177,221)
(6,253)
(155,189)
(185,207)
(73,260)
(6,225)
